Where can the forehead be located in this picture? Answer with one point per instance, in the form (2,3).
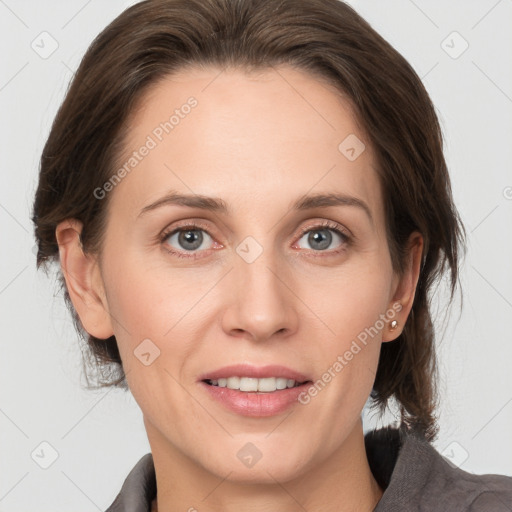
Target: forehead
(272,134)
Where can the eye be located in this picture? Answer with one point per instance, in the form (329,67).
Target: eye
(321,237)
(186,239)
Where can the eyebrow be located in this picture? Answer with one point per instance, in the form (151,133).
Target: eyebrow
(218,205)
(213,204)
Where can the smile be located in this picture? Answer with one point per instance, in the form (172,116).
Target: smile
(251,384)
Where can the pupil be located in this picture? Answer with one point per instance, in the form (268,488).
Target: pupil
(323,240)
(193,237)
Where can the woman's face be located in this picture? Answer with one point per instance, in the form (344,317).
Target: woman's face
(262,273)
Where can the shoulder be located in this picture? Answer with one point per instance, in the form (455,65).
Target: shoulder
(477,493)
(139,488)
(416,477)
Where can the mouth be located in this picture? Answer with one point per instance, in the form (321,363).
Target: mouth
(255,391)
(255,385)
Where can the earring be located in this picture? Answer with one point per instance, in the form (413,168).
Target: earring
(393,325)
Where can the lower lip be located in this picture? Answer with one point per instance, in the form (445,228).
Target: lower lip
(253,403)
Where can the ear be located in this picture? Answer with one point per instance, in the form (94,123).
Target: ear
(404,287)
(83,280)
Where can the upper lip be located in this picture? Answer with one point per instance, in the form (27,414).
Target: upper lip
(259,372)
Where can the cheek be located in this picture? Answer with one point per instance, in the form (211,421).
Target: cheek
(350,299)
(137,307)
(141,312)
(145,300)
(155,311)
(152,350)
(352,306)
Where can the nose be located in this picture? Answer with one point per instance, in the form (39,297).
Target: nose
(261,301)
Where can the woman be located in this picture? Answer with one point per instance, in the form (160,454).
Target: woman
(250,204)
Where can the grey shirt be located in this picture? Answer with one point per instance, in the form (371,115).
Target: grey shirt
(414,476)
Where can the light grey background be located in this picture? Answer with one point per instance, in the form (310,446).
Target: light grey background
(99,436)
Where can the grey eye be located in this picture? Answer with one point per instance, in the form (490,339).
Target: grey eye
(188,239)
(319,239)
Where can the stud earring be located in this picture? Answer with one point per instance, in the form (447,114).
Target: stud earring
(393,325)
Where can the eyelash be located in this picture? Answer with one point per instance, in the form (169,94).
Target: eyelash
(194,226)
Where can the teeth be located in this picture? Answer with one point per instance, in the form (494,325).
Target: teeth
(266,385)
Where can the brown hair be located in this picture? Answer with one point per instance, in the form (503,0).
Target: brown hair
(327,38)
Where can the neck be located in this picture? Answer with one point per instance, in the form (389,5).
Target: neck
(343,482)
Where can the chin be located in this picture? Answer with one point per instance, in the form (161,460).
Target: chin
(266,470)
